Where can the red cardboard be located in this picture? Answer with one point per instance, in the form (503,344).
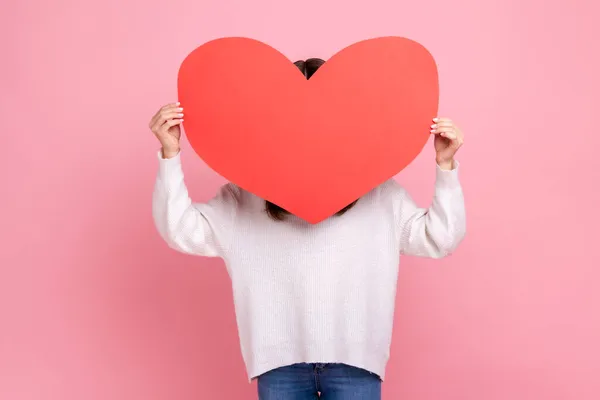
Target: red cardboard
(309,146)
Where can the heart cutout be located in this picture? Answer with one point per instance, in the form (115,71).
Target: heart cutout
(311,147)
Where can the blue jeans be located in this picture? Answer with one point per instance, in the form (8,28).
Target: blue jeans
(306,381)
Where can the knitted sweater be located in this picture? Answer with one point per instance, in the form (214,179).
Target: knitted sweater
(311,293)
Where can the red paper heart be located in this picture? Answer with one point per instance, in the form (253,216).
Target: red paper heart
(311,147)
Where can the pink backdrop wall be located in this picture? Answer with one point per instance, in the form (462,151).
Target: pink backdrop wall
(94,306)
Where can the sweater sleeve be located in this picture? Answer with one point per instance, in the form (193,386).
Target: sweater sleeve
(192,228)
(435,231)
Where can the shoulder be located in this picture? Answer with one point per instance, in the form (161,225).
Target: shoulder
(391,195)
(390,189)
(240,197)
(228,196)
(232,190)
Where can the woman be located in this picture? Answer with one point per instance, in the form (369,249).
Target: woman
(314,303)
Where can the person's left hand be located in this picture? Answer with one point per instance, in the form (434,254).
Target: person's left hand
(448,139)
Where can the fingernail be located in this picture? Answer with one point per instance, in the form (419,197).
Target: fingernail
(180,109)
(432,131)
(434,126)
(181,115)
(178,103)
(436,119)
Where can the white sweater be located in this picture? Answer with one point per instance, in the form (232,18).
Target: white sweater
(311,293)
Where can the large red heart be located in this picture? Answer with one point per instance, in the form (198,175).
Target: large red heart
(311,147)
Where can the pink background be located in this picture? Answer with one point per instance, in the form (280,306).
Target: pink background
(93,305)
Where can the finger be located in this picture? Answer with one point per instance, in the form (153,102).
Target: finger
(455,141)
(170,110)
(442,129)
(170,105)
(448,135)
(170,123)
(164,108)
(163,117)
(437,128)
(153,120)
(441,119)
(171,114)
(165,113)
(157,127)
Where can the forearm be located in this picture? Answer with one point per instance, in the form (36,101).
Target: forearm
(177,220)
(438,230)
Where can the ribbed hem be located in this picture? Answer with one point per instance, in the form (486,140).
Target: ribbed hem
(360,355)
(169,165)
(447,179)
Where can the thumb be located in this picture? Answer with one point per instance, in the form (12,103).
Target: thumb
(168,125)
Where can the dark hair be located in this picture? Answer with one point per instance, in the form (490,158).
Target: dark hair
(308,68)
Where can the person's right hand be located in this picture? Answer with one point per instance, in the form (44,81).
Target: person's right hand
(166,126)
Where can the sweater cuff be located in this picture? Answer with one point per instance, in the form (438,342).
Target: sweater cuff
(168,165)
(447,179)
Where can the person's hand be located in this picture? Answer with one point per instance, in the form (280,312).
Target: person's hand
(166,126)
(448,139)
